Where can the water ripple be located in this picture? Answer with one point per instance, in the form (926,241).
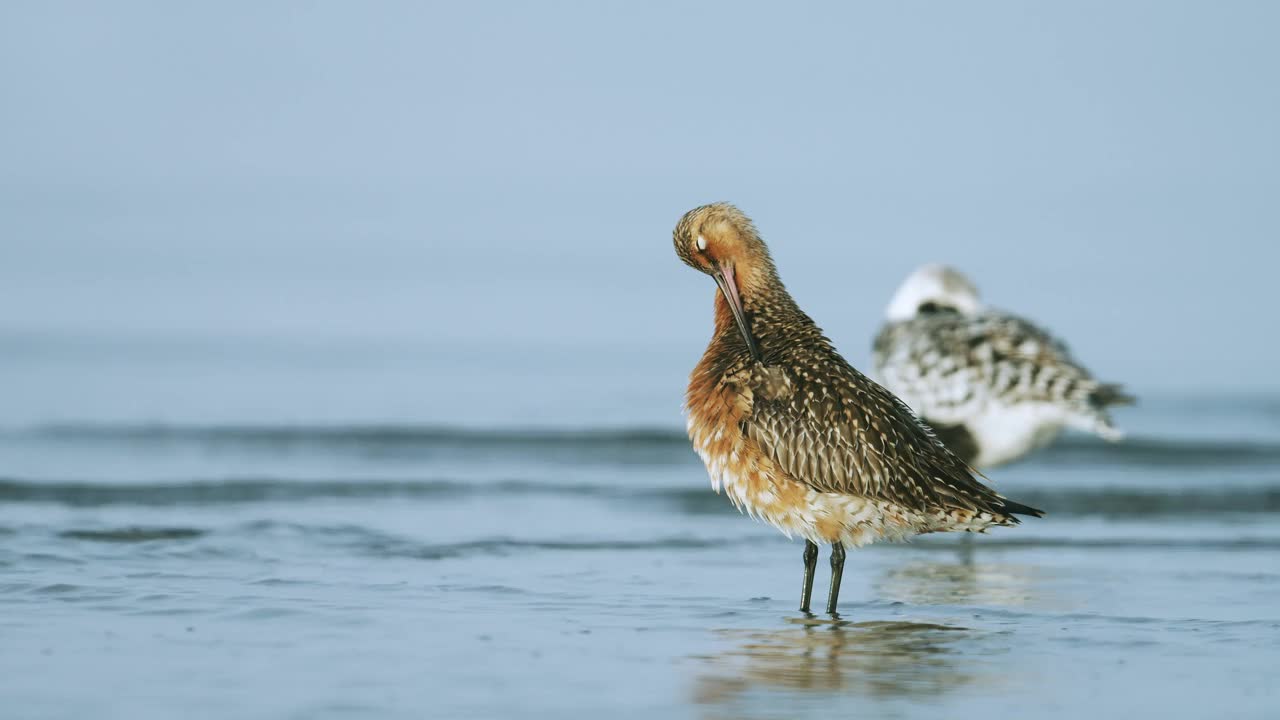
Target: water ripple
(626,445)
(1109,501)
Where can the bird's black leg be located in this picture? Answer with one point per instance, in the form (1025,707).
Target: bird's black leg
(810,565)
(837,572)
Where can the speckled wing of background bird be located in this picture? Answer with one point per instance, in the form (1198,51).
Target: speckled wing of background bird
(948,366)
(830,427)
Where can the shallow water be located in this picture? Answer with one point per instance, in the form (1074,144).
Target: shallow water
(212,559)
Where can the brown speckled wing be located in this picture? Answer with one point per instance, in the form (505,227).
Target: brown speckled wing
(837,431)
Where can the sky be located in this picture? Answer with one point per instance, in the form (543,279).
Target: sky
(507,175)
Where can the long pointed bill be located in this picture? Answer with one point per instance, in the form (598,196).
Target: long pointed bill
(723,275)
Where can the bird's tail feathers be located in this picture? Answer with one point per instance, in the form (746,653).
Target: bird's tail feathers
(1097,422)
(1110,395)
(1016,508)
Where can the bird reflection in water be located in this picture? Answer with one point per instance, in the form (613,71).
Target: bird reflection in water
(874,660)
(963,583)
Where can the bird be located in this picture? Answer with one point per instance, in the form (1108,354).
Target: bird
(796,436)
(993,386)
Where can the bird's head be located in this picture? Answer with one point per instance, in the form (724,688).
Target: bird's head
(719,240)
(933,289)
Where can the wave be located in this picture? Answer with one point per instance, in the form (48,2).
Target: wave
(375,543)
(134,534)
(619,445)
(371,541)
(1109,502)
(390,546)
(1160,452)
(624,445)
(340,434)
(259,490)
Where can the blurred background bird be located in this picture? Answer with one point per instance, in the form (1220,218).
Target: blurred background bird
(993,385)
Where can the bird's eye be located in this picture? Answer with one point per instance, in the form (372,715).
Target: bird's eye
(701,243)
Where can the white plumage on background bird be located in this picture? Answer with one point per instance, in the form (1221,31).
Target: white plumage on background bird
(992,385)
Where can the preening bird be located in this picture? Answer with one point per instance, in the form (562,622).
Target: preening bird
(794,434)
(992,385)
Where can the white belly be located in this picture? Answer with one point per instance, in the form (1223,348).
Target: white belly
(1004,433)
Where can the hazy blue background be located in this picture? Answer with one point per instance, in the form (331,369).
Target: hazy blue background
(500,179)
(342,348)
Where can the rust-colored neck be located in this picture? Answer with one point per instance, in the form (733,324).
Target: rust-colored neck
(773,319)
(725,324)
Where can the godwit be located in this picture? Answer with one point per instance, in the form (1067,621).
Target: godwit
(798,437)
(993,386)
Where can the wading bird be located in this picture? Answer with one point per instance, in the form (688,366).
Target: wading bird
(992,386)
(794,434)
